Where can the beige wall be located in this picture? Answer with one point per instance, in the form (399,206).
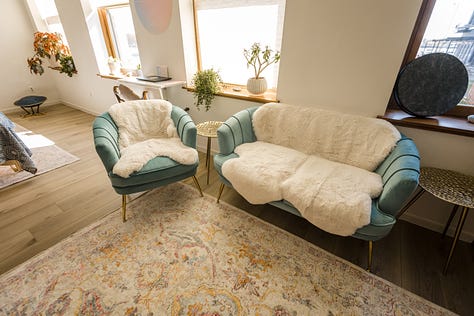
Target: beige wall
(344,55)
(16,37)
(340,55)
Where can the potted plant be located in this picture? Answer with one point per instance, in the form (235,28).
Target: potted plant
(50,46)
(206,84)
(259,59)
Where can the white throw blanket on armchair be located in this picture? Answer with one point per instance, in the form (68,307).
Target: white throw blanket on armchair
(146,131)
(321,162)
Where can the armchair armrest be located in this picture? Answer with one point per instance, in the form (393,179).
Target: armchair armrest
(185,126)
(236,130)
(106,140)
(400,172)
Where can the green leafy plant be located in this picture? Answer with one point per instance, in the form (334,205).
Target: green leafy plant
(260,58)
(206,84)
(50,46)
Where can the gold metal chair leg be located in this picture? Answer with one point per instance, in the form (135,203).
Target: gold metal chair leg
(462,219)
(124,208)
(196,183)
(451,216)
(369,259)
(413,200)
(221,188)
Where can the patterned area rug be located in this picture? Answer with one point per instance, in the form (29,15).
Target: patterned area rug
(181,254)
(46,157)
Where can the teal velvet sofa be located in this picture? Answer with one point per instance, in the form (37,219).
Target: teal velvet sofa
(157,172)
(399,172)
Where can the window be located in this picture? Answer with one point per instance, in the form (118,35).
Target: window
(225,28)
(49,17)
(446,26)
(119,34)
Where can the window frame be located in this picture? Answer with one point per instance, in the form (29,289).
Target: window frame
(106,29)
(414,43)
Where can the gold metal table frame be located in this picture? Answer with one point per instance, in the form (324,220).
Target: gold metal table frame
(452,187)
(208,129)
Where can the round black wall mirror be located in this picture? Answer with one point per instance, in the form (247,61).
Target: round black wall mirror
(431,85)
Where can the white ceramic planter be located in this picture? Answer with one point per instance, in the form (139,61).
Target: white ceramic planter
(257,86)
(114,68)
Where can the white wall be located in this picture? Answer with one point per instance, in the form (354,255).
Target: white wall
(340,55)
(85,91)
(17,45)
(344,55)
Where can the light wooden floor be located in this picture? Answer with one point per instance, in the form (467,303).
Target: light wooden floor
(39,212)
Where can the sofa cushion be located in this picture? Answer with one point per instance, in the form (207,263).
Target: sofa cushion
(355,140)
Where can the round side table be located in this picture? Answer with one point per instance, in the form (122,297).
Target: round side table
(208,129)
(452,187)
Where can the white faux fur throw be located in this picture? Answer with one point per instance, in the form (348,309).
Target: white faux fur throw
(350,139)
(333,196)
(260,169)
(146,131)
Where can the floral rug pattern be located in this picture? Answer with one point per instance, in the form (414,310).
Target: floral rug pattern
(181,254)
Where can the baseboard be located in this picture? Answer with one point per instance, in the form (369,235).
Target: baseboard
(437,227)
(80,108)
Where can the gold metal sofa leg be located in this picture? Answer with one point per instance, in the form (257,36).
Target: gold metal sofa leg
(124,208)
(369,264)
(221,188)
(196,183)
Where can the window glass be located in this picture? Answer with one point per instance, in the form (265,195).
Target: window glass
(451,30)
(49,15)
(225,28)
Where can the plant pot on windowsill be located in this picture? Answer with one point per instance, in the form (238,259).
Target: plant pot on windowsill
(257,85)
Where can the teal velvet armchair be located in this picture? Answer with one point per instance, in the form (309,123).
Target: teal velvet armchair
(157,172)
(399,172)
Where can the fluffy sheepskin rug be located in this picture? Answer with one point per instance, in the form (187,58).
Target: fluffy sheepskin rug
(358,141)
(333,196)
(146,131)
(260,169)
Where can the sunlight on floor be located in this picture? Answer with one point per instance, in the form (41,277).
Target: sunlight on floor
(32,140)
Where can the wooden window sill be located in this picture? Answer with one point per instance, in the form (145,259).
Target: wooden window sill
(229,92)
(445,124)
(115,77)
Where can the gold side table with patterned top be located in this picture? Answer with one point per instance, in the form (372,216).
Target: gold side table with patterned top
(208,129)
(452,187)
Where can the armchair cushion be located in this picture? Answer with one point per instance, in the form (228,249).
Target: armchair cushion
(146,130)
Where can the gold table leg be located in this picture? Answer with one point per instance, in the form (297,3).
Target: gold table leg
(462,219)
(208,158)
(413,200)
(451,216)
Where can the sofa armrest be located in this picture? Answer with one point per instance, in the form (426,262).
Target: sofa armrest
(236,130)
(106,140)
(400,172)
(185,126)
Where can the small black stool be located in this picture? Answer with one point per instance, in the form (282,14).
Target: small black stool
(30,102)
